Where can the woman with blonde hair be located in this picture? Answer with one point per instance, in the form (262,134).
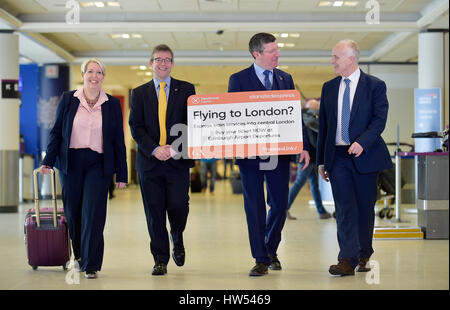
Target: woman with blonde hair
(87,145)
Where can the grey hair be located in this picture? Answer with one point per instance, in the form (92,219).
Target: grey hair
(94,60)
(354,48)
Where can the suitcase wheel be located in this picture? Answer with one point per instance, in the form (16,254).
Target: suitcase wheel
(64,267)
(34,267)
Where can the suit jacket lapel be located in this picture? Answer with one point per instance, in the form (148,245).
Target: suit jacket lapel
(151,106)
(254,80)
(105,118)
(173,94)
(278,81)
(73,108)
(334,99)
(360,90)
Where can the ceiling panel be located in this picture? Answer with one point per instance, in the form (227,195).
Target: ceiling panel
(219,6)
(179,5)
(189,40)
(140,5)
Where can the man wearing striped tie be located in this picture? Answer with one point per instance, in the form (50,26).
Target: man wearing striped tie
(351,153)
(155,108)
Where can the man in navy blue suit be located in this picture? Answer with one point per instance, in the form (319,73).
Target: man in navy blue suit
(265,229)
(351,153)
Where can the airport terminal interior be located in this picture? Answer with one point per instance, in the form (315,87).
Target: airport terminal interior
(403,42)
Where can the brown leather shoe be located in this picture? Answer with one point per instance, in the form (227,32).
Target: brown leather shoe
(363,265)
(343,268)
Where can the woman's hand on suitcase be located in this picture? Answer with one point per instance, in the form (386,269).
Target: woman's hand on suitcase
(44,169)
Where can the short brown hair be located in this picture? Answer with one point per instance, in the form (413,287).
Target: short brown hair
(258,40)
(161,48)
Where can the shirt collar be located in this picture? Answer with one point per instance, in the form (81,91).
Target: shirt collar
(259,70)
(166,80)
(354,77)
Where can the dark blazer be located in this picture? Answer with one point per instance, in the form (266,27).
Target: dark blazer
(247,80)
(144,122)
(114,153)
(367,121)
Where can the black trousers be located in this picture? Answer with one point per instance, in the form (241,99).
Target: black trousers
(165,190)
(85,195)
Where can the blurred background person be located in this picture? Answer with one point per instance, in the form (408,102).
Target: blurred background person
(208,165)
(310,115)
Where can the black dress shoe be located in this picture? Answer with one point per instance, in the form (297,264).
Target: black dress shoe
(274,263)
(258,270)
(159,269)
(178,257)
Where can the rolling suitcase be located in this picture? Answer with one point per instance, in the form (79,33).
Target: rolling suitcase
(46,232)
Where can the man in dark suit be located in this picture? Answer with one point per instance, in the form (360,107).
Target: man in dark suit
(351,153)
(265,235)
(164,176)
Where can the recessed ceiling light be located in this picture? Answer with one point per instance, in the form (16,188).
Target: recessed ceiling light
(148,73)
(325,3)
(113,3)
(134,67)
(351,3)
(284,35)
(99,4)
(143,67)
(290,44)
(280,44)
(125,36)
(87,4)
(338,3)
(294,35)
(116,35)
(136,35)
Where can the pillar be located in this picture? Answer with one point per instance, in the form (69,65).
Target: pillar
(431,76)
(9,121)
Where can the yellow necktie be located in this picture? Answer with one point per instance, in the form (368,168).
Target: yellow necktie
(162,109)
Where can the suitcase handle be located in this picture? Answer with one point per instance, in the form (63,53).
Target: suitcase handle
(36,196)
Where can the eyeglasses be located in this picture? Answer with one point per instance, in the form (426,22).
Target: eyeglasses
(165,60)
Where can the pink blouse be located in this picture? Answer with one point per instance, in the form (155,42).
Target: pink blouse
(87,124)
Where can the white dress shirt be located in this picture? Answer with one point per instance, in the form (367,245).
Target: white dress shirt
(354,78)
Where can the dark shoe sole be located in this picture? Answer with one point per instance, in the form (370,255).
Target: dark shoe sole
(275,267)
(362,269)
(159,273)
(257,274)
(340,273)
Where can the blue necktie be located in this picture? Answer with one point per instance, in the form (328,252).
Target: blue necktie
(346,112)
(267,83)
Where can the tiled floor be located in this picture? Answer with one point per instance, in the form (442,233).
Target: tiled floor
(218,252)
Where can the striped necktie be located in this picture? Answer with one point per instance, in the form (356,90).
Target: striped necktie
(162,109)
(346,112)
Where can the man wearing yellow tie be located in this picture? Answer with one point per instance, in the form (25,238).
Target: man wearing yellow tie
(155,107)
